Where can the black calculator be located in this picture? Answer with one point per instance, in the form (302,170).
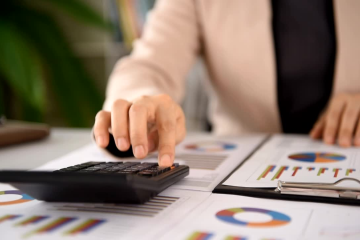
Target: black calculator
(97,182)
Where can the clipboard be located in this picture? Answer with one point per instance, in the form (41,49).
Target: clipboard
(295,191)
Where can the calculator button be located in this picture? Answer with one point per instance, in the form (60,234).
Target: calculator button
(120,167)
(151,164)
(98,167)
(78,167)
(153,171)
(68,169)
(163,169)
(129,171)
(147,173)
(129,164)
(88,164)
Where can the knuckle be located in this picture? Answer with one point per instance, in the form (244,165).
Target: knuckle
(167,126)
(119,103)
(164,98)
(100,114)
(142,98)
(168,107)
(137,108)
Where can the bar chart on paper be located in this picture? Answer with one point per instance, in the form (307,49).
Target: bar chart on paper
(92,221)
(83,220)
(26,226)
(296,159)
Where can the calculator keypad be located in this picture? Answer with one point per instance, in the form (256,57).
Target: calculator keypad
(143,169)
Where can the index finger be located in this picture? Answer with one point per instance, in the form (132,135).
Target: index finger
(166,125)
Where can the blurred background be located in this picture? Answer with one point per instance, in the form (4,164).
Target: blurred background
(56,57)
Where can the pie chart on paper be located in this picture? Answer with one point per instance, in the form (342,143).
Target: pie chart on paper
(24,197)
(210,146)
(317,157)
(277,218)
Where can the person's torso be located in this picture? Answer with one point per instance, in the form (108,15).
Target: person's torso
(239,51)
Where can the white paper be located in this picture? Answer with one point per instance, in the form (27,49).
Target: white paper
(210,158)
(259,219)
(289,158)
(120,221)
(208,168)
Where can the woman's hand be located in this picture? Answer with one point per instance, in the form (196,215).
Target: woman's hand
(340,121)
(148,124)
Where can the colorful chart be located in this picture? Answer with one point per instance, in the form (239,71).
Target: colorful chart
(200,236)
(280,172)
(85,226)
(350,170)
(52,226)
(278,219)
(270,168)
(295,169)
(211,146)
(32,220)
(316,157)
(336,171)
(25,197)
(236,238)
(9,217)
(322,171)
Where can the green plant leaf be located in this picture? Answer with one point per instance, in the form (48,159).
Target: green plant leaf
(80,11)
(74,89)
(20,66)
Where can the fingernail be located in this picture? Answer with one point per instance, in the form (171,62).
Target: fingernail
(100,140)
(165,161)
(345,142)
(122,143)
(139,151)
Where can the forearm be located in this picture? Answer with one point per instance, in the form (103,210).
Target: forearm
(161,58)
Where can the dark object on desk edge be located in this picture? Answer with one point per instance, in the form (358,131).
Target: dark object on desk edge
(271,193)
(97,187)
(15,132)
(112,148)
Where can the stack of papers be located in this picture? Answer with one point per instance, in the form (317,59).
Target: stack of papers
(188,209)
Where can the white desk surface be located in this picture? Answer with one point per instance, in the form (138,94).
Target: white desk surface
(34,154)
